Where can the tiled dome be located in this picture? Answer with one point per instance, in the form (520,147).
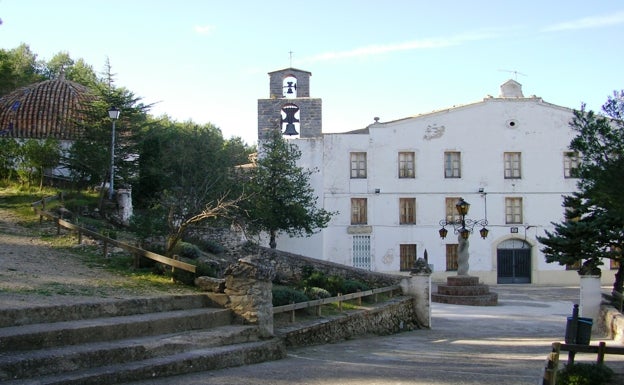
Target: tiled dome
(49,109)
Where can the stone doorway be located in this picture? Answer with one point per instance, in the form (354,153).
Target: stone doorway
(513,261)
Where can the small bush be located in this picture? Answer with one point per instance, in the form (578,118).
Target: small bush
(187,250)
(283,295)
(317,293)
(352,286)
(207,245)
(316,279)
(205,270)
(334,284)
(584,374)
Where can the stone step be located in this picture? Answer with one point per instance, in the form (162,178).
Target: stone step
(105,308)
(108,342)
(47,335)
(179,363)
(490,299)
(29,364)
(464,290)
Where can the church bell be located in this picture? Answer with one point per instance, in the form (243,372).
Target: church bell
(290,130)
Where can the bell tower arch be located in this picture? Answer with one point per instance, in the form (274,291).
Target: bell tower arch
(289,107)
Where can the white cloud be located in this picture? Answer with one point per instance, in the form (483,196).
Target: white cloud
(374,50)
(588,22)
(204,29)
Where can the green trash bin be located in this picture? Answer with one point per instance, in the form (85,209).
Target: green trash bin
(580,333)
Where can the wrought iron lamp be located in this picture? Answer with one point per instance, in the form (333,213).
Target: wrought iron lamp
(463,226)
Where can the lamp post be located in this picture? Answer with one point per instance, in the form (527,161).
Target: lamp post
(113,114)
(463,227)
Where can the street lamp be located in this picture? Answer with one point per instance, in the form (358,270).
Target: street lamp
(463,227)
(113,114)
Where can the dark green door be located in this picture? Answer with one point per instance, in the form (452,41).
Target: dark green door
(514,265)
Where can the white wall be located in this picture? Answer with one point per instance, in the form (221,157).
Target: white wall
(482,133)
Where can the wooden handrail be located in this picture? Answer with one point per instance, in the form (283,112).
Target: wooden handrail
(552,362)
(340,298)
(137,251)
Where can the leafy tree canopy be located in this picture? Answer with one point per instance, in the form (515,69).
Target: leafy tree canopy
(281,196)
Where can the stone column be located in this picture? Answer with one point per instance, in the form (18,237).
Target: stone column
(248,286)
(590,297)
(462,255)
(418,285)
(124,202)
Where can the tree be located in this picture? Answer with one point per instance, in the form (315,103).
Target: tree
(282,199)
(40,155)
(89,157)
(9,154)
(594,225)
(18,67)
(184,172)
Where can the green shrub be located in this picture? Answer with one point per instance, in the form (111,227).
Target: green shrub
(352,286)
(284,295)
(187,250)
(584,374)
(334,284)
(317,292)
(205,270)
(316,279)
(207,245)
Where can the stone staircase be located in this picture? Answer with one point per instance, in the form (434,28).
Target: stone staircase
(465,290)
(125,340)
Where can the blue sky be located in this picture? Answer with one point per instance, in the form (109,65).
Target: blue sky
(208,60)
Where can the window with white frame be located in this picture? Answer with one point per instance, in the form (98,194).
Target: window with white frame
(513,210)
(406,165)
(407,211)
(512,165)
(358,211)
(570,164)
(358,165)
(452,164)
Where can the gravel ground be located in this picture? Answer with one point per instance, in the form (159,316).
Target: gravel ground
(33,273)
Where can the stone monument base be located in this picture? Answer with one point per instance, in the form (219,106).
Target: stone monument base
(465,290)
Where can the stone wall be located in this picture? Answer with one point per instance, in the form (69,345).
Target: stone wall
(611,323)
(289,268)
(393,317)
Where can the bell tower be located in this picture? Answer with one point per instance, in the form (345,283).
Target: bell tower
(289,107)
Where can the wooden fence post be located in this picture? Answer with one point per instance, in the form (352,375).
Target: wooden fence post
(552,365)
(340,303)
(292,313)
(359,300)
(602,346)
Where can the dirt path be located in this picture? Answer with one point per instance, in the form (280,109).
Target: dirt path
(33,273)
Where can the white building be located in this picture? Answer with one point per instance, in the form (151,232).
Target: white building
(394,182)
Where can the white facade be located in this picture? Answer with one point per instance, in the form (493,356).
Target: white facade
(534,133)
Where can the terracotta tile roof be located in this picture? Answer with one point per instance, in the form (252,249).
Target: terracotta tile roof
(49,109)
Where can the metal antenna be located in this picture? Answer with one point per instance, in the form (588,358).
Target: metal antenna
(516,73)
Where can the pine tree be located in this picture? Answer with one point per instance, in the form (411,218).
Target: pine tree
(281,196)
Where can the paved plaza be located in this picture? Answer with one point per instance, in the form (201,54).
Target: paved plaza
(467,345)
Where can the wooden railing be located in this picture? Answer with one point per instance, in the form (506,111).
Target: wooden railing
(137,252)
(552,363)
(317,304)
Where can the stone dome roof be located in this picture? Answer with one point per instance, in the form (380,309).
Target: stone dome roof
(48,109)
